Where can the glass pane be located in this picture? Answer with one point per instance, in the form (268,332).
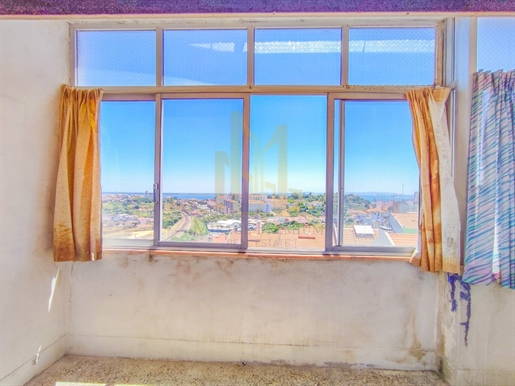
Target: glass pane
(202,150)
(391,56)
(297,56)
(116,58)
(127,129)
(287,172)
(381,179)
(205,57)
(496,43)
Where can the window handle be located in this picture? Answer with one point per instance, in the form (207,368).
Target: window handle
(156,193)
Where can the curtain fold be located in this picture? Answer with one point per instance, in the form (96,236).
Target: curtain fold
(439,226)
(77,212)
(490,234)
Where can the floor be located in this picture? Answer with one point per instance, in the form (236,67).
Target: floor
(97,371)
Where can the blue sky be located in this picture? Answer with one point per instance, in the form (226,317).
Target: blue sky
(288,133)
(378,152)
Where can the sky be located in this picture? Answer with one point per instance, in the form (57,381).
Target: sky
(202,138)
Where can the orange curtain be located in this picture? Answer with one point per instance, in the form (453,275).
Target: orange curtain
(439,228)
(77,213)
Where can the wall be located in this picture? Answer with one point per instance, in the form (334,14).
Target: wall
(33,63)
(348,312)
(488,357)
(219,309)
(486,354)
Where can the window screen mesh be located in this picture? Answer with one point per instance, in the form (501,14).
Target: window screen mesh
(496,43)
(391,56)
(205,57)
(297,56)
(116,58)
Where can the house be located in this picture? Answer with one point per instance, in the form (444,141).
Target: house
(376,312)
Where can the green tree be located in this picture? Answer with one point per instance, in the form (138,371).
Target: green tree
(270,228)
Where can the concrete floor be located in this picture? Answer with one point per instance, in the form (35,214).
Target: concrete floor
(97,371)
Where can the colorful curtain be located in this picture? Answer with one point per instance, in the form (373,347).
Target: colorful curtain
(490,235)
(439,227)
(77,213)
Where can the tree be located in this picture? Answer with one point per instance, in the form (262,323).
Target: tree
(270,228)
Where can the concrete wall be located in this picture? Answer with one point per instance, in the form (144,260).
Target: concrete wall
(385,314)
(216,309)
(488,358)
(483,353)
(33,64)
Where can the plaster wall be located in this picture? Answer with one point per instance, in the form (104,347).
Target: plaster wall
(373,314)
(482,353)
(33,64)
(480,349)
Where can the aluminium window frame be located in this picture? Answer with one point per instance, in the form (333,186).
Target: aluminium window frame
(344,91)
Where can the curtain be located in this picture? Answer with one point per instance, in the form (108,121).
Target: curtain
(77,213)
(439,227)
(490,235)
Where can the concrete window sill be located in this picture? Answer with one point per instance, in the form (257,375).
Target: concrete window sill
(159,253)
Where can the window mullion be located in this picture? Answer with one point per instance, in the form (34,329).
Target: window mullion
(329,191)
(345,55)
(245,174)
(250,56)
(159,56)
(158,196)
(341,171)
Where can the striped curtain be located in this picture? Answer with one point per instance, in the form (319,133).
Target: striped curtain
(490,236)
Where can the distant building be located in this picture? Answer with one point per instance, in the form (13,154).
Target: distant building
(404,222)
(259,206)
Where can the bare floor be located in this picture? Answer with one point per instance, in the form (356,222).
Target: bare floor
(97,371)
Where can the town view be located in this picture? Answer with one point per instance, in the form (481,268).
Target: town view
(276,221)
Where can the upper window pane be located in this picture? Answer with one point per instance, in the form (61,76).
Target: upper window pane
(496,43)
(297,57)
(116,58)
(205,57)
(391,56)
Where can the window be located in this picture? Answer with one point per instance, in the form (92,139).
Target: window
(495,43)
(276,138)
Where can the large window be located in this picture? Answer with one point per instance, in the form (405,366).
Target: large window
(265,139)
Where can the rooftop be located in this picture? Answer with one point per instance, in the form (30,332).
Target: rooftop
(407,220)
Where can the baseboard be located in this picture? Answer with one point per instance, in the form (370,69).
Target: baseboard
(133,347)
(37,364)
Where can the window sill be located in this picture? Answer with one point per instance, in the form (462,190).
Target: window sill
(153,254)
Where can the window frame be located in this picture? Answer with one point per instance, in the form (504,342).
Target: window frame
(344,91)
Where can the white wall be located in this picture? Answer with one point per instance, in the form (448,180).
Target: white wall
(33,64)
(218,309)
